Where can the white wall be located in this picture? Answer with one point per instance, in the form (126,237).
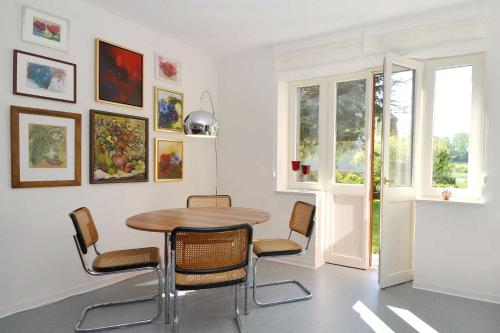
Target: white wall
(39,262)
(457,245)
(247,114)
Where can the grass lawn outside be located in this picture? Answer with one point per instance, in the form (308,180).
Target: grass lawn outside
(376,226)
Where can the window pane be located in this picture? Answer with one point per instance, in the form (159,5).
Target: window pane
(451,127)
(350,132)
(401,127)
(307,150)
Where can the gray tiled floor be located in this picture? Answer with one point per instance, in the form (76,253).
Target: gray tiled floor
(336,289)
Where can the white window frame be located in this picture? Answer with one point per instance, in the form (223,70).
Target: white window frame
(476,142)
(293,124)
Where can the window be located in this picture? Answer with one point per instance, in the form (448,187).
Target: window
(401,127)
(450,139)
(308,131)
(350,132)
(453,137)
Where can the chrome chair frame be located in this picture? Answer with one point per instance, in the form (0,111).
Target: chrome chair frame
(275,283)
(158,271)
(175,319)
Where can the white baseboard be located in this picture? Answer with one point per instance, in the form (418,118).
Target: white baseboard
(99,282)
(457,292)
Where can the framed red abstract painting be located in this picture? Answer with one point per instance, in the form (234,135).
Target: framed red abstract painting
(119,75)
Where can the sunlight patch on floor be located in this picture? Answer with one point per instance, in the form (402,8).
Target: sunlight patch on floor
(418,324)
(371,319)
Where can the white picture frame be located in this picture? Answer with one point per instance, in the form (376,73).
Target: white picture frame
(45,29)
(162,71)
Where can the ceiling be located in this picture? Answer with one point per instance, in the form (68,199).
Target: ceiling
(224,27)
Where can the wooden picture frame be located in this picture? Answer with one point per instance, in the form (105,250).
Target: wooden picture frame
(118,84)
(169,110)
(169,167)
(119,148)
(41,154)
(39,76)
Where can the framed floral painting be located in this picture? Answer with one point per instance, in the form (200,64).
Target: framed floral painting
(119,75)
(167,69)
(169,107)
(45,29)
(45,148)
(44,77)
(118,148)
(169,160)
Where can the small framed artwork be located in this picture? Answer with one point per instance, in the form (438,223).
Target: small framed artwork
(169,107)
(118,148)
(45,147)
(44,77)
(167,69)
(169,160)
(45,29)
(119,75)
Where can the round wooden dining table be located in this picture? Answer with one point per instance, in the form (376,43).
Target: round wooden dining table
(166,220)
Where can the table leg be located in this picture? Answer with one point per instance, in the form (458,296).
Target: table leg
(167,278)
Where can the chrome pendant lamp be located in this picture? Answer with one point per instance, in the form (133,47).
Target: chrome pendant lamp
(202,123)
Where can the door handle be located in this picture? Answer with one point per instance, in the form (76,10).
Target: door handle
(387,180)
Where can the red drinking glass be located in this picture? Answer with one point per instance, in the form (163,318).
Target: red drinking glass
(306,169)
(295,165)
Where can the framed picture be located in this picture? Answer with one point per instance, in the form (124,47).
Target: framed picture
(167,69)
(169,160)
(45,147)
(118,148)
(119,75)
(44,77)
(169,107)
(44,29)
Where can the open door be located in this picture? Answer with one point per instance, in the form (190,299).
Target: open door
(402,86)
(348,189)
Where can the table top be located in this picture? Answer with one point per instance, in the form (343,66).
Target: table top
(168,219)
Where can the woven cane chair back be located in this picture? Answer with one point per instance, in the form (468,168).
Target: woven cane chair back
(209,201)
(302,219)
(86,231)
(211,250)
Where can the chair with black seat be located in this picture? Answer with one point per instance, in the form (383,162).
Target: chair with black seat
(207,201)
(113,262)
(301,222)
(204,258)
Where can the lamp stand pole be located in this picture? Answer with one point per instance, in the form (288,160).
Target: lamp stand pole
(215,144)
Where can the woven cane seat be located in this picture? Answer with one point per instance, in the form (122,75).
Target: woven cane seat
(212,280)
(127,259)
(275,247)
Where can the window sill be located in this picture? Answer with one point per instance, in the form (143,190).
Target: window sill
(451,201)
(299,191)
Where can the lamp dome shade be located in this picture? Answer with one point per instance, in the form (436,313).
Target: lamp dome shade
(201,123)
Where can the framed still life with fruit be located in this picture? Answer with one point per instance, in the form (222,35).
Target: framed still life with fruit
(118,148)
(169,160)
(45,29)
(169,106)
(119,75)
(44,77)
(45,148)
(167,69)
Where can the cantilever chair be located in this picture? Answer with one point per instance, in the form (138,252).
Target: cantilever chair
(113,262)
(301,222)
(204,258)
(209,201)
